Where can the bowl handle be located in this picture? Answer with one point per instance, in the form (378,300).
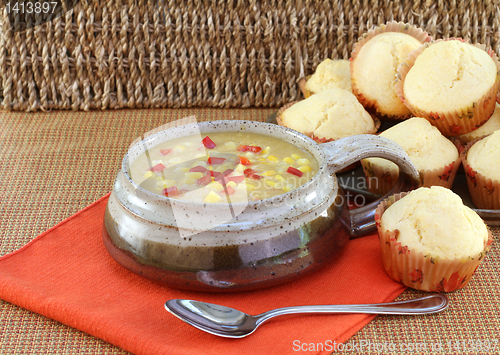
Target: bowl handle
(346,151)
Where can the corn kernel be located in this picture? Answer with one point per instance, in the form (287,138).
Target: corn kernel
(279,177)
(288,188)
(212,197)
(165,183)
(270,183)
(295,156)
(269,173)
(179,148)
(303,161)
(249,155)
(181,169)
(266,150)
(149,174)
(288,160)
(175,160)
(305,168)
(215,185)
(272,159)
(195,176)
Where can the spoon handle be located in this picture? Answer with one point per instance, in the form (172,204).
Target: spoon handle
(424,305)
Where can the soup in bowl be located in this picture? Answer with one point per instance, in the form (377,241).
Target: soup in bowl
(237,205)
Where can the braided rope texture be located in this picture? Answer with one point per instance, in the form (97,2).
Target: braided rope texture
(108,54)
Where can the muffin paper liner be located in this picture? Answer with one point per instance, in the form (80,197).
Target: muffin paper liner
(462,120)
(485,192)
(419,271)
(393,26)
(302,87)
(380,180)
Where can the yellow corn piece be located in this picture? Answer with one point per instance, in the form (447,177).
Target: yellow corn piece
(272,159)
(295,156)
(179,148)
(249,155)
(212,197)
(266,150)
(215,185)
(303,161)
(175,160)
(305,168)
(262,159)
(288,160)
(288,188)
(148,174)
(269,173)
(279,177)
(250,187)
(195,176)
(270,183)
(165,183)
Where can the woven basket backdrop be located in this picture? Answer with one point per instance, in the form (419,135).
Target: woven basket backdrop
(114,53)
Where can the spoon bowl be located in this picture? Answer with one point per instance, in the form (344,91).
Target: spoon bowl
(231,323)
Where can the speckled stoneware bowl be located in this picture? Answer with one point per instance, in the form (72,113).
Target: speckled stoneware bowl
(243,246)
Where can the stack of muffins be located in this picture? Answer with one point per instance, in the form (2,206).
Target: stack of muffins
(440,98)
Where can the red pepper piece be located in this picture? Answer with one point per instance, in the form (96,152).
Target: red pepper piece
(237,179)
(198,169)
(207,142)
(204,180)
(249,148)
(171,191)
(294,171)
(216,160)
(250,173)
(230,191)
(244,161)
(165,151)
(157,168)
(214,174)
(224,176)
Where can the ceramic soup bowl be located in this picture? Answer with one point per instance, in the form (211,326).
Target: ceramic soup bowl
(247,245)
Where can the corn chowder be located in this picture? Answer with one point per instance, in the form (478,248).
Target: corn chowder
(223,167)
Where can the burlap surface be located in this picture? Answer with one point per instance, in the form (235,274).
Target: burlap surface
(54,164)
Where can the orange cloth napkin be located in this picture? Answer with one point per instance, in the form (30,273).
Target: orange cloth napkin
(66,274)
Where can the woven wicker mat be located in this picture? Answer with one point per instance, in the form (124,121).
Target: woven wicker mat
(178,53)
(54,164)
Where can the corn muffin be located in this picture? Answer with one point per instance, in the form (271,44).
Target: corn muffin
(451,83)
(374,63)
(328,75)
(486,129)
(435,156)
(328,115)
(481,160)
(430,240)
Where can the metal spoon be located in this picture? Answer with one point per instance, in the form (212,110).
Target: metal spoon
(231,323)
